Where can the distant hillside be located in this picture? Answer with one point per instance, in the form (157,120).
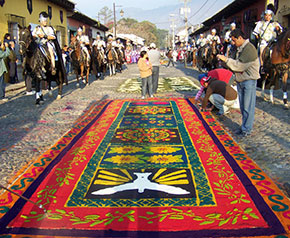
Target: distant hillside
(144,29)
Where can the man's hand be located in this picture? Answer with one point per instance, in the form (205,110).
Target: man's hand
(40,35)
(6,44)
(222,58)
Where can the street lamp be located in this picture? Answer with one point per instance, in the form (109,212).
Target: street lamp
(115,23)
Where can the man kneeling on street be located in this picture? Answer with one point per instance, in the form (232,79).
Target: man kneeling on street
(219,93)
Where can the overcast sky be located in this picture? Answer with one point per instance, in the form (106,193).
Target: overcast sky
(199,9)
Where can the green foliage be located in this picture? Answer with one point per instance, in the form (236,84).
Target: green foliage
(144,29)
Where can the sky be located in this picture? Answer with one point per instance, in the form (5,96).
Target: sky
(199,9)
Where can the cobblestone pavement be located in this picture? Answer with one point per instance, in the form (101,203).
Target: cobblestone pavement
(27,131)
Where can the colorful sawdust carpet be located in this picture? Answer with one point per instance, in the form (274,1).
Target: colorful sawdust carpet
(164,85)
(156,168)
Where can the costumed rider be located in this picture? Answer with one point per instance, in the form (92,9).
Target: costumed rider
(45,35)
(211,38)
(111,46)
(101,45)
(228,40)
(84,42)
(201,43)
(266,32)
(121,47)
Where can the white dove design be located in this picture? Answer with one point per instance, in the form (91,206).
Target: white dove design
(141,183)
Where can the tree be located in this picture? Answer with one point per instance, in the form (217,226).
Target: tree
(106,15)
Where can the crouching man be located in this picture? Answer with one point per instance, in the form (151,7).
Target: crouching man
(219,93)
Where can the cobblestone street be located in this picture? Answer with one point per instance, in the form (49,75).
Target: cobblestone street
(27,131)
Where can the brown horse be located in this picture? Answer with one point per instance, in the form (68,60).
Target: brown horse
(99,62)
(276,58)
(112,58)
(79,61)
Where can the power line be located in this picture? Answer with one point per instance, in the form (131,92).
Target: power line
(209,8)
(198,10)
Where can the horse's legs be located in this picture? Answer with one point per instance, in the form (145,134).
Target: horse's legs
(272,94)
(59,95)
(77,75)
(263,87)
(284,88)
(114,68)
(49,88)
(82,74)
(38,90)
(110,68)
(87,75)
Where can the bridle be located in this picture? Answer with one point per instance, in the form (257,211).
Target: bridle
(24,44)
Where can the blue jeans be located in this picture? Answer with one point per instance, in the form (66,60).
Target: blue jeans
(247,98)
(2,87)
(147,82)
(155,77)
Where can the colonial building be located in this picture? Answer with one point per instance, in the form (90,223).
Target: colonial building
(245,13)
(92,26)
(26,12)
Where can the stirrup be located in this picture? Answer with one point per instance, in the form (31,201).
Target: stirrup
(53,71)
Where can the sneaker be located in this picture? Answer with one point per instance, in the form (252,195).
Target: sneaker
(152,96)
(142,97)
(53,71)
(30,93)
(4,99)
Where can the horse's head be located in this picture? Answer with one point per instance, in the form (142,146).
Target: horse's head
(25,38)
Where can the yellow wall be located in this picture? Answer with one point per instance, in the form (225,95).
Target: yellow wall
(19,8)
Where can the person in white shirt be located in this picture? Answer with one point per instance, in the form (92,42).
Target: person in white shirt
(84,41)
(210,39)
(44,35)
(101,45)
(154,57)
(266,31)
(228,39)
(201,42)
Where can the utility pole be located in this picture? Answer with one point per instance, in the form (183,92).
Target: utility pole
(186,10)
(115,24)
(172,26)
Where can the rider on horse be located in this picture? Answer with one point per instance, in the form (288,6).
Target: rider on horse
(84,42)
(266,32)
(101,45)
(228,42)
(45,35)
(211,38)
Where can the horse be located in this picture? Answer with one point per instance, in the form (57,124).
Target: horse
(201,62)
(120,59)
(111,57)
(37,65)
(276,60)
(212,61)
(79,61)
(99,62)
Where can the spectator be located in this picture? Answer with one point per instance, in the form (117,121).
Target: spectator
(154,58)
(12,63)
(4,53)
(145,68)
(219,93)
(170,57)
(66,59)
(246,68)
(7,39)
(219,74)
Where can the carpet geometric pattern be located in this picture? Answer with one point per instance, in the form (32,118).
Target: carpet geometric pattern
(155,168)
(164,85)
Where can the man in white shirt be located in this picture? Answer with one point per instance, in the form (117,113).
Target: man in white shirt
(84,41)
(228,39)
(154,57)
(211,38)
(44,35)
(266,31)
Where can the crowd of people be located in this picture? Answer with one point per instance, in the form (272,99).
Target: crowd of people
(234,87)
